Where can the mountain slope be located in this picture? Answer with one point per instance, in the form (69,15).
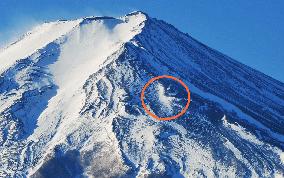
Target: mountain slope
(70,105)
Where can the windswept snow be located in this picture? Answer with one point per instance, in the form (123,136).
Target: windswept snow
(36,39)
(88,47)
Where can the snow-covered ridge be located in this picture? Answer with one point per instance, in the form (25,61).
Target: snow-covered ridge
(46,33)
(89,45)
(39,37)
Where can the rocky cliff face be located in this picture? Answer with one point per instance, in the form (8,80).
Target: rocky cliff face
(70,105)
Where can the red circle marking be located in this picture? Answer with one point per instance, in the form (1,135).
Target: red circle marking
(164,118)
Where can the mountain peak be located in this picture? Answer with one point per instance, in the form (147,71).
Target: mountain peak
(137,13)
(70,105)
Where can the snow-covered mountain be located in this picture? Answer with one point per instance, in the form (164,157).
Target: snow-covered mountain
(70,105)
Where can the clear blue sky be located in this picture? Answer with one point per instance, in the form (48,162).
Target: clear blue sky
(251,32)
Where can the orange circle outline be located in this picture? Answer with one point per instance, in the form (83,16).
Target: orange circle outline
(164,118)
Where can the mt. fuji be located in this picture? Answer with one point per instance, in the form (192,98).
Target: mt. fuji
(70,105)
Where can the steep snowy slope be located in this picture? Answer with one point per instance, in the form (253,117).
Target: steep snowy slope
(70,105)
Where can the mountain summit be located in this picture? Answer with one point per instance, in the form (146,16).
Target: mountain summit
(70,105)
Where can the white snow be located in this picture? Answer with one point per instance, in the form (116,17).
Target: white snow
(225,104)
(282,157)
(166,101)
(241,132)
(87,48)
(36,39)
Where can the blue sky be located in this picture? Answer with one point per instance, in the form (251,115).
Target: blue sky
(248,31)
